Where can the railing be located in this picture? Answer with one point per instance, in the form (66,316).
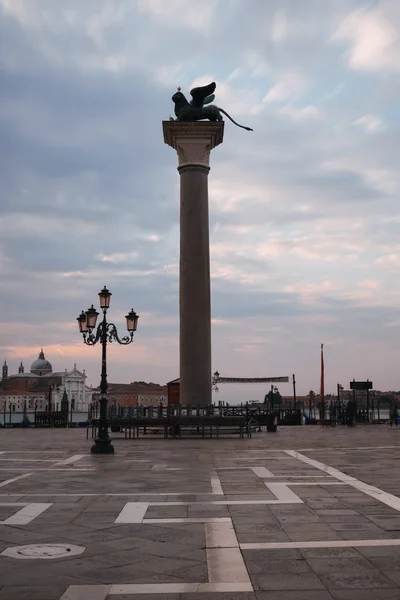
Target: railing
(254,416)
(40,418)
(52,419)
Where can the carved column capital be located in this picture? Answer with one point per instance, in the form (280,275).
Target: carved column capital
(193,141)
(193,152)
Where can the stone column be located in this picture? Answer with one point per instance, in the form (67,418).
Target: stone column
(193,143)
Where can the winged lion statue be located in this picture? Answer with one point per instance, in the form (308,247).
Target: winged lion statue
(199,108)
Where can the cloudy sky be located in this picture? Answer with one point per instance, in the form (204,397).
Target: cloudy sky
(304,211)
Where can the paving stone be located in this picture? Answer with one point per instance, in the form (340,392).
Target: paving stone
(294,595)
(297,519)
(324,566)
(146,548)
(350,527)
(151,569)
(314,536)
(209,511)
(166,512)
(387,563)
(211,596)
(273,554)
(357,580)
(357,534)
(149,597)
(303,581)
(196,573)
(346,519)
(330,552)
(103,507)
(337,512)
(387,524)
(324,503)
(377,594)
(252,528)
(35,592)
(38,579)
(242,516)
(393,576)
(268,566)
(20,536)
(380,551)
(263,537)
(312,492)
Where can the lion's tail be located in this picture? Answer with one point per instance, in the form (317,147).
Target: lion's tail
(237,124)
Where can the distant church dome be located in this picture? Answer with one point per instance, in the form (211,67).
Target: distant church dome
(41,366)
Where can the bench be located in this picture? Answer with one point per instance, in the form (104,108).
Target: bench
(235,425)
(174,426)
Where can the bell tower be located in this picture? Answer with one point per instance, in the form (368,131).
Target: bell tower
(5,370)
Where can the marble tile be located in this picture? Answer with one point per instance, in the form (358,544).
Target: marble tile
(283,493)
(189,520)
(216,484)
(175,588)
(133,512)
(86,592)
(262,472)
(226,565)
(294,595)
(70,460)
(27,514)
(220,535)
(321,544)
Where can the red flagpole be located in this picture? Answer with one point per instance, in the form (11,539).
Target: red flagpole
(322,386)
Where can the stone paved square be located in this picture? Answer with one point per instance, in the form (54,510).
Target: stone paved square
(304,514)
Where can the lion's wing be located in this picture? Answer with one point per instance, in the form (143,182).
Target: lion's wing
(199,94)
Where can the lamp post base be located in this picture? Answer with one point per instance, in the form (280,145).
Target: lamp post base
(102,447)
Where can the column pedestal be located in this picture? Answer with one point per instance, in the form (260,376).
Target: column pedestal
(193,143)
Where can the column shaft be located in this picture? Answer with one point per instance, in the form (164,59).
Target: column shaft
(194,287)
(193,143)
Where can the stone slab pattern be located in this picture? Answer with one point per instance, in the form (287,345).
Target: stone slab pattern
(284,528)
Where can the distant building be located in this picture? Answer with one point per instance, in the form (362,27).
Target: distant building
(79,394)
(138,393)
(17,401)
(299,399)
(42,386)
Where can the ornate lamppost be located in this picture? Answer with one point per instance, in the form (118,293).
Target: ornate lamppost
(106,332)
(214,382)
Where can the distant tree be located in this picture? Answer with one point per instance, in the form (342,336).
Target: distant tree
(64,402)
(311,394)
